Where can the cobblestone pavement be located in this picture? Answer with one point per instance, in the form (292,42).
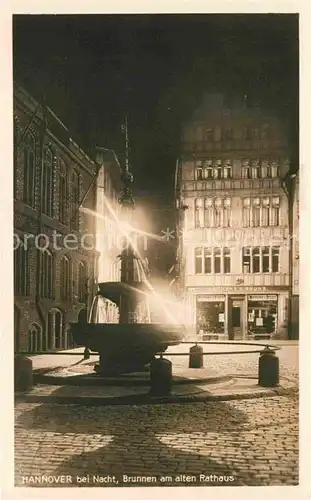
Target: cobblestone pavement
(241,364)
(245,442)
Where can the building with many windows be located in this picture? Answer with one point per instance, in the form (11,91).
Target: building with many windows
(233,248)
(55,254)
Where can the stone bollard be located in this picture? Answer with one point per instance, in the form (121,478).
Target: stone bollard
(196,356)
(23,376)
(268,368)
(160,377)
(86,354)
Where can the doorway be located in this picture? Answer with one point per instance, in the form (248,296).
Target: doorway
(237,311)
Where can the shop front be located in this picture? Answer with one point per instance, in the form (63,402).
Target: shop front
(210,313)
(240,316)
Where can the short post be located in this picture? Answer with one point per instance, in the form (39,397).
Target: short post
(160,377)
(86,354)
(268,368)
(23,374)
(196,356)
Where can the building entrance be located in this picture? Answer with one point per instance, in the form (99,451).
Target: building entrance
(236,319)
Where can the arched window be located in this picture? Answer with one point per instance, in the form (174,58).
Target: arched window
(46,274)
(75,200)
(35,339)
(55,330)
(82,282)
(16,329)
(65,278)
(62,189)
(47,183)
(28,147)
(21,271)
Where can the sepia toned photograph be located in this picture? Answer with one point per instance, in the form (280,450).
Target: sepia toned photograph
(156,250)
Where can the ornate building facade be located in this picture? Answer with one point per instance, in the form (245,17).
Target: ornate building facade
(233,249)
(55,250)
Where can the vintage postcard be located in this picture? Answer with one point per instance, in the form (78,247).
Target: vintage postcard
(156,211)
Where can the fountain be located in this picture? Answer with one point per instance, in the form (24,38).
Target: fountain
(131,343)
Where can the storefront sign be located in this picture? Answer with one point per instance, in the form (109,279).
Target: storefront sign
(238,289)
(262,297)
(210,298)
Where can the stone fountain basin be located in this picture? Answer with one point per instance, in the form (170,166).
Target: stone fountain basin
(126,347)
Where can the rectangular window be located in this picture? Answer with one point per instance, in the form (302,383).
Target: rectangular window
(256,260)
(207,260)
(198,261)
(264,169)
(208,172)
(208,212)
(199,174)
(227,260)
(274,211)
(246,172)
(265,212)
(256,212)
(227,213)
(227,174)
(275,259)
(217,217)
(199,213)
(246,260)
(266,260)
(217,260)
(274,169)
(246,212)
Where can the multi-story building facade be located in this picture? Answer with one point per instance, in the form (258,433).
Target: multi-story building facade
(55,255)
(233,252)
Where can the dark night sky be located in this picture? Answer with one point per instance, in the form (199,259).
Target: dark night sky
(94,69)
